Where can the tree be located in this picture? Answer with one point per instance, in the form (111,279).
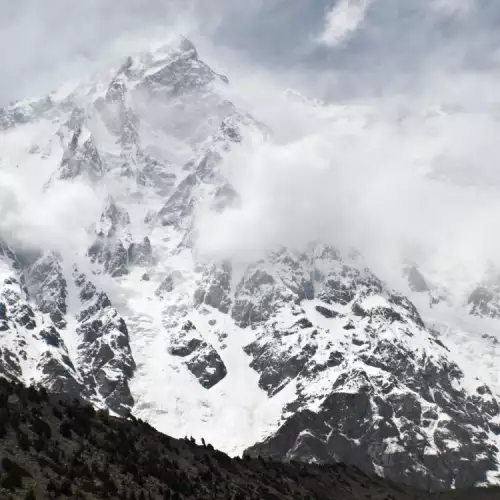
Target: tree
(66,488)
(30,495)
(44,394)
(12,480)
(39,444)
(42,428)
(33,395)
(51,487)
(23,441)
(110,486)
(65,429)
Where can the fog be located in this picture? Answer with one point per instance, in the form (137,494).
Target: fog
(420,185)
(401,160)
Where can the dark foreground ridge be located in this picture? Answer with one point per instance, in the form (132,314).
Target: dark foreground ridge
(50,448)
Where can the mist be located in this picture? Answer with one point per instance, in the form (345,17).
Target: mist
(393,150)
(419,185)
(55,220)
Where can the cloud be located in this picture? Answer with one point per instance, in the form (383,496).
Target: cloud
(56,219)
(51,42)
(46,43)
(397,177)
(400,162)
(344,19)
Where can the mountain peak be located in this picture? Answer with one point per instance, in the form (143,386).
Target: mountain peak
(297,355)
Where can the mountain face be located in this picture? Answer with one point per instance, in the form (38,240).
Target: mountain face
(301,355)
(35,320)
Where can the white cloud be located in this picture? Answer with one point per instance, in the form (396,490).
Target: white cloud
(56,219)
(396,177)
(343,20)
(357,172)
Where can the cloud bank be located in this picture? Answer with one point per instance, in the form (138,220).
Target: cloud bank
(417,183)
(401,161)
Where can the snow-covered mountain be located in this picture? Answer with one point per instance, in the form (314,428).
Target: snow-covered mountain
(299,355)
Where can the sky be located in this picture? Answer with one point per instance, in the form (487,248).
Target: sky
(365,43)
(401,161)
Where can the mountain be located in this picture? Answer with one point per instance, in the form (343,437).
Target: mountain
(52,448)
(301,355)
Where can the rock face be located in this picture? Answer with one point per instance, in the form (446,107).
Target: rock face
(415,279)
(201,358)
(372,387)
(30,341)
(81,157)
(312,356)
(215,288)
(104,352)
(48,288)
(23,112)
(34,313)
(485,300)
(114,248)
